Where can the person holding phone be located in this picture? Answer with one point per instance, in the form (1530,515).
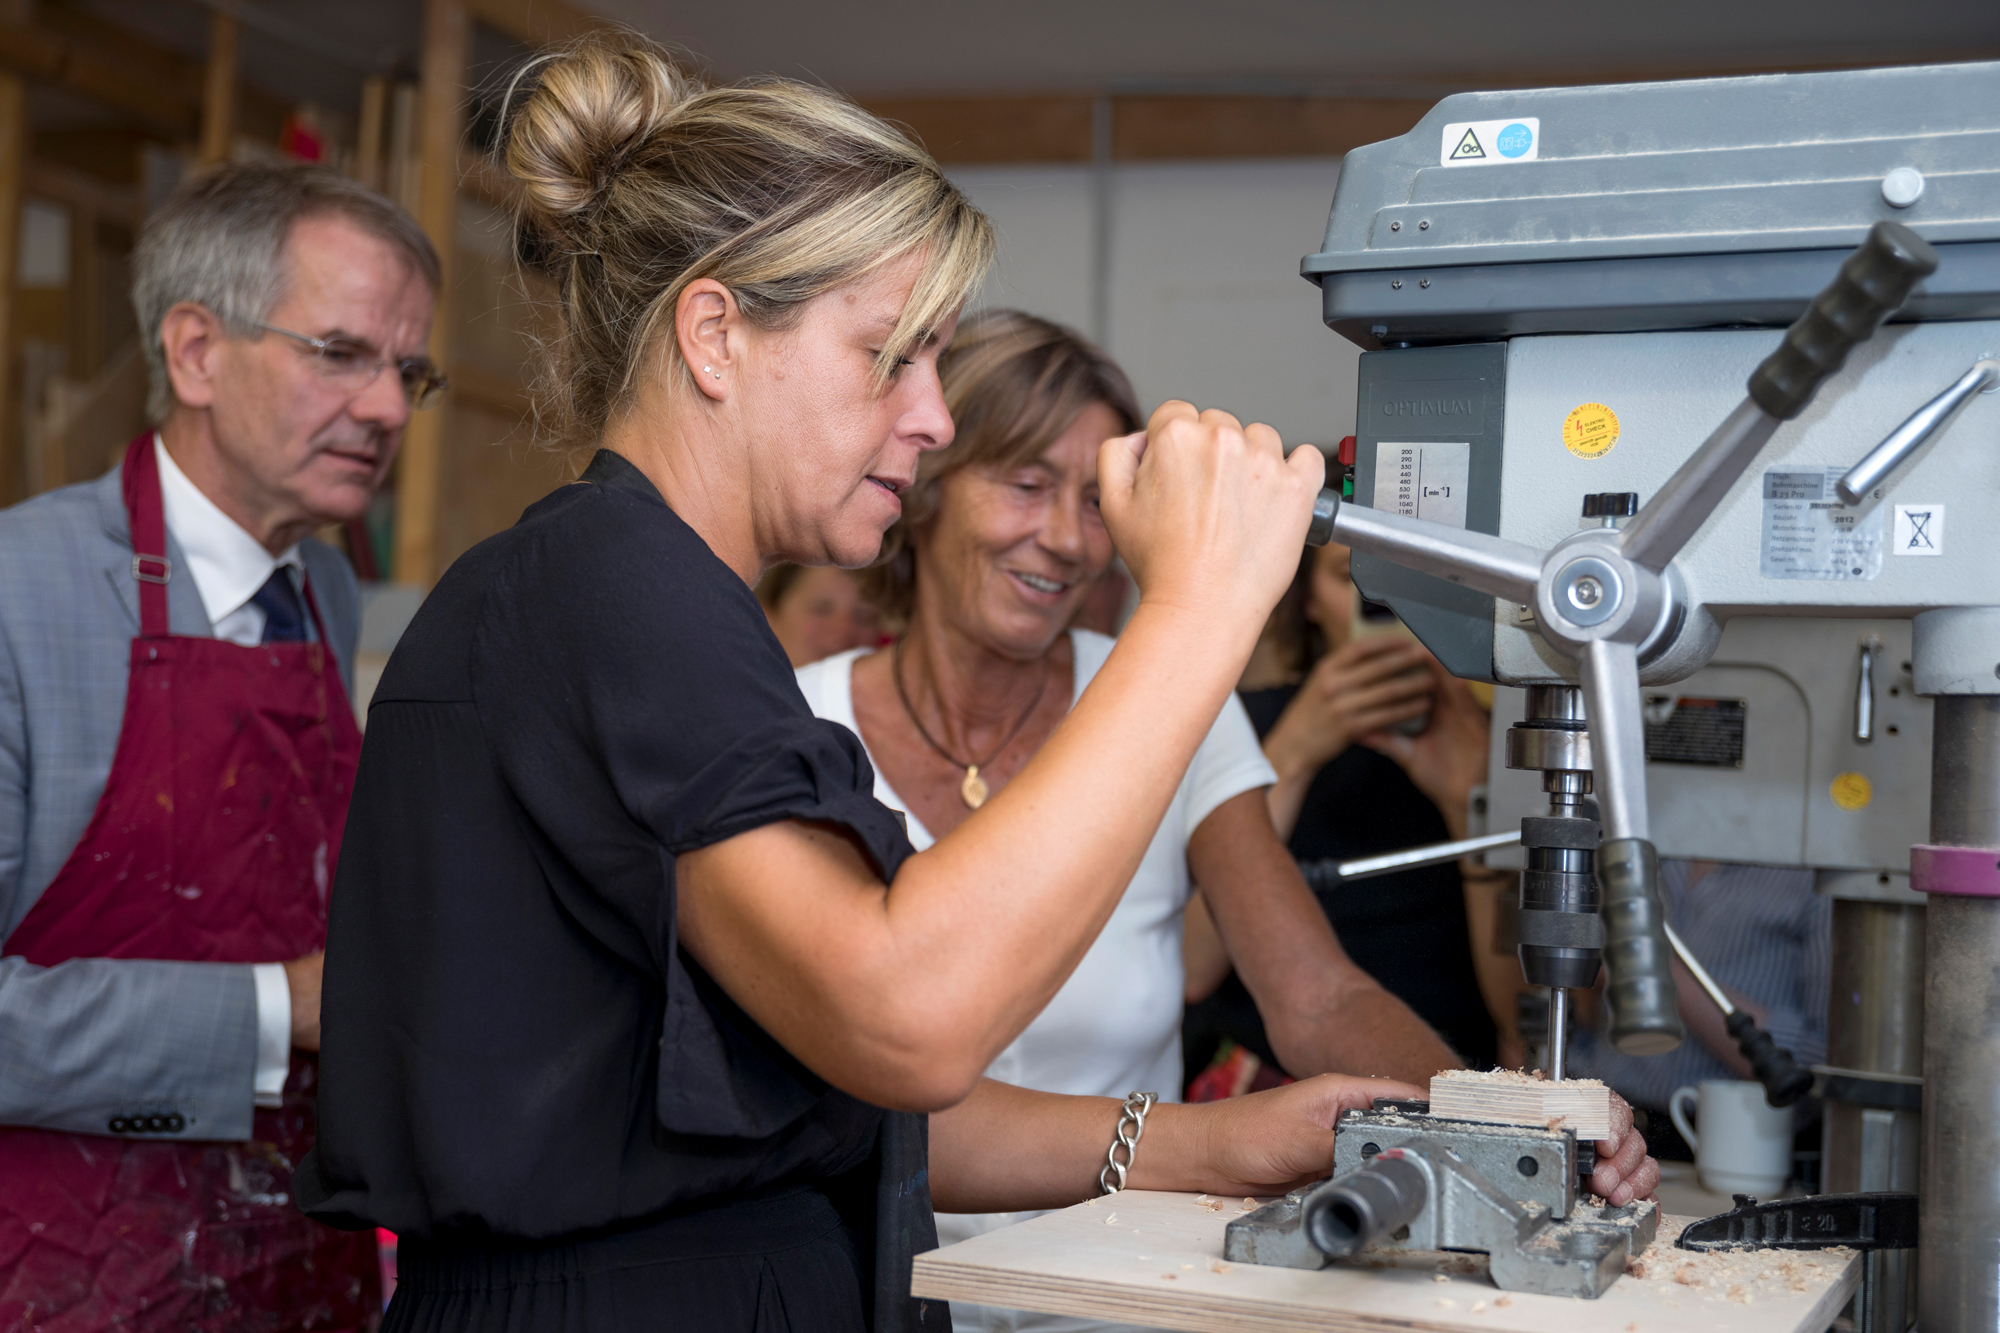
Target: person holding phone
(1336,706)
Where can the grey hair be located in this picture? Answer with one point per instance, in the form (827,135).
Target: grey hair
(219,241)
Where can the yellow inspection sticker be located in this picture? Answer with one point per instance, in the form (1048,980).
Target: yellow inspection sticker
(1851,791)
(1589,431)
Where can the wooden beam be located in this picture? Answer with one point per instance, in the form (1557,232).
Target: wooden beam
(994,129)
(13,166)
(440,130)
(75,53)
(218,95)
(1153,128)
(535,22)
(368,136)
(80,190)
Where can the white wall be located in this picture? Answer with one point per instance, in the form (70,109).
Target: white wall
(1206,302)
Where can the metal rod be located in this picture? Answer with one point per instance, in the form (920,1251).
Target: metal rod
(1909,437)
(1558,1033)
(1478,560)
(1412,857)
(1617,737)
(1706,982)
(1697,487)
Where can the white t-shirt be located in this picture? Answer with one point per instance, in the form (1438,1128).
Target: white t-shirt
(1115,1026)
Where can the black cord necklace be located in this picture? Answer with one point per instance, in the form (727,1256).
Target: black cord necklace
(972,789)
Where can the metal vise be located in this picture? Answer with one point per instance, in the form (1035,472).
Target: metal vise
(1407,1181)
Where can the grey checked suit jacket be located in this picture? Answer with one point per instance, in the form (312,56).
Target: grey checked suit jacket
(93,1039)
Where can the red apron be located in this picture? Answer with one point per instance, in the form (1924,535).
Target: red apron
(215,841)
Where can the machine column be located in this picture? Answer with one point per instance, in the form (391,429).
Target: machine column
(1957,652)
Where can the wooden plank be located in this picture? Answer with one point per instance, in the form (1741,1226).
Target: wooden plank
(13,168)
(218,93)
(440,129)
(1509,1098)
(1156,1259)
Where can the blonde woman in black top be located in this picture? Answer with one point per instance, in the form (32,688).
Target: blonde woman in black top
(625,960)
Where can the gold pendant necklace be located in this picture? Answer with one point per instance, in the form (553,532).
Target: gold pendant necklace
(972,789)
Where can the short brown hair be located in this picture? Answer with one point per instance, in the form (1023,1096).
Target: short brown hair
(219,242)
(639,179)
(1013,384)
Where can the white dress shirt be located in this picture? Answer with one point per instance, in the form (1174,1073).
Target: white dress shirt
(228,566)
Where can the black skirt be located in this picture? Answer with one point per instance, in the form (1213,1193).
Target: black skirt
(776,1265)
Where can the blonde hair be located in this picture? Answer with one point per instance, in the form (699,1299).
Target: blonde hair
(638,179)
(1013,383)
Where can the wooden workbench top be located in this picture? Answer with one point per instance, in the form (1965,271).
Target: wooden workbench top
(1156,1259)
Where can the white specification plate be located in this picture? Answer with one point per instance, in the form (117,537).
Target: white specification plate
(1810,534)
(1424,481)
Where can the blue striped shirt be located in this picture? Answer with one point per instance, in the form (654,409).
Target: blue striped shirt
(1763,934)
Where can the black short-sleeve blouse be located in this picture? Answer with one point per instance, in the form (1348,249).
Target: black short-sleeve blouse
(513,1044)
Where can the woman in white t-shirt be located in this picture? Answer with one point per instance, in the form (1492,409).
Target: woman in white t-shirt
(999,544)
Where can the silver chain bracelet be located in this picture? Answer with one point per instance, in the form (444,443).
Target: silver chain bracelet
(1131,1125)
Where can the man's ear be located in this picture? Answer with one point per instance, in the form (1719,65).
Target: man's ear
(191,337)
(708,328)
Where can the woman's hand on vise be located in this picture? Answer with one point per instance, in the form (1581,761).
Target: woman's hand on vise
(1269,1142)
(1209,514)
(1624,1171)
(1450,758)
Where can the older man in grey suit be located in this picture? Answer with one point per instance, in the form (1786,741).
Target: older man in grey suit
(175,754)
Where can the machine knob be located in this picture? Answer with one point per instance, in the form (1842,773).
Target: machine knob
(1611,504)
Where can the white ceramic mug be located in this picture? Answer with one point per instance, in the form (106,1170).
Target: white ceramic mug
(1745,1144)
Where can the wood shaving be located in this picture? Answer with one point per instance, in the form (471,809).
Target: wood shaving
(1218,1267)
(1169,1277)
(1742,1276)
(1478,1307)
(1250,1202)
(1201,1198)
(1439,1277)
(1186,1267)
(1502,1302)
(1447,1303)
(1111,1220)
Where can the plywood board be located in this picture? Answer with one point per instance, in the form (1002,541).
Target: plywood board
(1505,1097)
(1156,1259)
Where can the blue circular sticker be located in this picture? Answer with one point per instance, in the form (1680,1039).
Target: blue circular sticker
(1515,140)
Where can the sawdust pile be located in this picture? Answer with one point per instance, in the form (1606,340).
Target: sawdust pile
(1513,1078)
(1743,1276)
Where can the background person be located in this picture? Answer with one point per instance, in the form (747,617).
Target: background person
(1326,702)
(817,611)
(1767,938)
(163,877)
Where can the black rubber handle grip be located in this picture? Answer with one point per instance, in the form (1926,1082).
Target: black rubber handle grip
(1770,1064)
(1872,284)
(1326,507)
(1645,1010)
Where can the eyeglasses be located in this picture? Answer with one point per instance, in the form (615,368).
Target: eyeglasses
(353,365)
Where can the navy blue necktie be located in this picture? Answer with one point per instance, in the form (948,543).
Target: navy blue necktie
(284,617)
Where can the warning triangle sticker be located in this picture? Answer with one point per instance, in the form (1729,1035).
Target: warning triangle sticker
(1468,148)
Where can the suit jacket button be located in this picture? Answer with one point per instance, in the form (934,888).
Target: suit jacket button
(176,1123)
(117,1125)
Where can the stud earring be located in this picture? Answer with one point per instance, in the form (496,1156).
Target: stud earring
(711,370)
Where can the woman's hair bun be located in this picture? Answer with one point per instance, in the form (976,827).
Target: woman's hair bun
(575,118)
